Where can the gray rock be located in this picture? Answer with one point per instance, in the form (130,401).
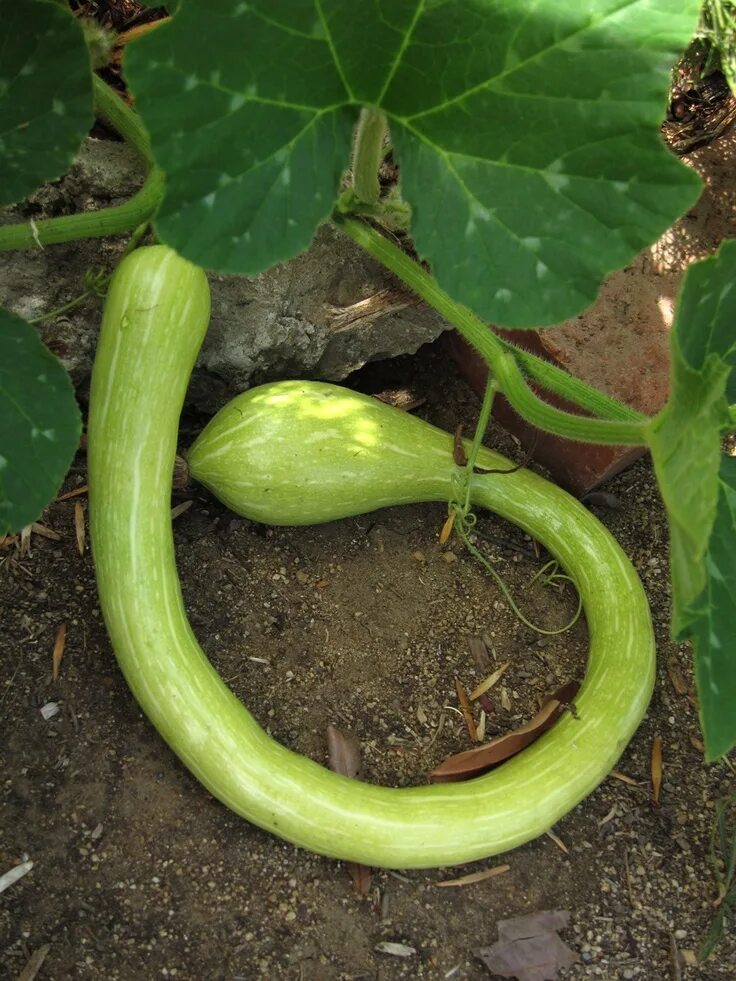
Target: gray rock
(321,315)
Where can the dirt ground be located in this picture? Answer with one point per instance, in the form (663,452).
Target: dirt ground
(364,623)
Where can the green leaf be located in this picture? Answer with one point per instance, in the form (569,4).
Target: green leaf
(40,423)
(685,438)
(711,627)
(45,95)
(527,134)
(697,485)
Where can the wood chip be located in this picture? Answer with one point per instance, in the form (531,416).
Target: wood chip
(489,682)
(558,841)
(466,711)
(468,880)
(609,817)
(656,769)
(25,541)
(505,700)
(34,963)
(624,778)
(473,762)
(58,652)
(482,726)
(79,528)
(38,529)
(343,751)
(180,509)
(73,493)
(676,677)
(447,528)
(479,653)
(394,949)
(12,875)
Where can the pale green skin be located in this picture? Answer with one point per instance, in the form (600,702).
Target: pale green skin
(301,452)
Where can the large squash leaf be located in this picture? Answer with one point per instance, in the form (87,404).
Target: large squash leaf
(526,130)
(712,623)
(39,423)
(45,95)
(698,485)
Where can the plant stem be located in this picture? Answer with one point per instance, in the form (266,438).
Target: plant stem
(89,224)
(511,381)
(367,155)
(562,383)
(482,424)
(107,221)
(110,107)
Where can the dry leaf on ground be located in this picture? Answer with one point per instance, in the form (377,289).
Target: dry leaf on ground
(473,762)
(79,527)
(467,711)
(528,947)
(58,651)
(343,752)
(656,769)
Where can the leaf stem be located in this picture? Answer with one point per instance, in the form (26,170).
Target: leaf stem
(613,432)
(89,224)
(367,155)
(110,107)
(562,383)
(482,424)
(107,221)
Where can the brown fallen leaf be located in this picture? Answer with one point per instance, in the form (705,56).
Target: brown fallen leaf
(343,752)
(473,762)
(38,529)
(485,703)
(58,652)
(343,755)
(79,528)
(697,744)
(34,963)
(479,653)
(656,769)
(624,778)
(472,877)
(676,677)
(25,541)
(528,947)
(73,493)
(489,682)
(447,528)
(180,509)
(467,711)
(558,841)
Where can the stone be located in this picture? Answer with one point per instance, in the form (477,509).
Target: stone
(621,343)
(322,315)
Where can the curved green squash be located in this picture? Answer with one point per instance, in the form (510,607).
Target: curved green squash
(301,452)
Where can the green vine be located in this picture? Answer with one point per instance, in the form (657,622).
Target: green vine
(612,432)
(463,520)
(107,221)
(367,155)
